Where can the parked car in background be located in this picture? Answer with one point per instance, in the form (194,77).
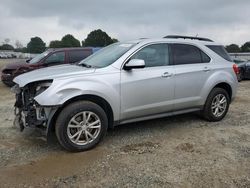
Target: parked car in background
(51,57)
(127,82)
(244,68)
(3,55)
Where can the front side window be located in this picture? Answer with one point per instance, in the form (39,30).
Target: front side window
(39,57)
(154,55)
(188,54)
(56,58)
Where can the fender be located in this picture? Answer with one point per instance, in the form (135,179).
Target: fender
(215,79)
(61,91)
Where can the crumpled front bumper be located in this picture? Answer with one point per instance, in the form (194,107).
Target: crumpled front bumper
(28,113)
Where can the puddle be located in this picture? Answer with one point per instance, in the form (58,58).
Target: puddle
(54,165)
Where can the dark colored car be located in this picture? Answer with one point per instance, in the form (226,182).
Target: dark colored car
(50,57)
(244,68)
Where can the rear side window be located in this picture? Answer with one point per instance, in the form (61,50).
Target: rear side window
(205,57)
(221,51)
(78,55)
(188,54)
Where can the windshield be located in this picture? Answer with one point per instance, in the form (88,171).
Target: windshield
(38,57)
(107,55)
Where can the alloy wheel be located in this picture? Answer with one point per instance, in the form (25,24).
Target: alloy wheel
(219,105)
(83,128)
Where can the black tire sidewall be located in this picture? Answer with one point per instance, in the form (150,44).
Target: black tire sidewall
(65,116)
(240,77)
(207,112)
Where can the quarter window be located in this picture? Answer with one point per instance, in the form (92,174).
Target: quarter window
(221,51)
(188,54)
(154,55)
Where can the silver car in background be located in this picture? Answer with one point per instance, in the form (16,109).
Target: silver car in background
(127,82)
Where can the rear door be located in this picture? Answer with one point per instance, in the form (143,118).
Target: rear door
(192,69)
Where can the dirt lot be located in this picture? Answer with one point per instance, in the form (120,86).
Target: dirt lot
(180,151)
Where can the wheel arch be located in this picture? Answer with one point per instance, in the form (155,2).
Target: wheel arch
(226,87)
(88,97)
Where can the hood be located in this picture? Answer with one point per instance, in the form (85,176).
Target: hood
(16,65)
(52,73)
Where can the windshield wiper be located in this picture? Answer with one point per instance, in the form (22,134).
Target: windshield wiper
(87,65)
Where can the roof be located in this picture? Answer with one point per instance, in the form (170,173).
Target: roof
(175,40)
(72,48)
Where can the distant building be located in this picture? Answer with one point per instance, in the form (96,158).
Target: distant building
(11,53)
(245,56)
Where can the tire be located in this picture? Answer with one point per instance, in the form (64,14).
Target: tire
(73,115)
(209,110)
(240,77)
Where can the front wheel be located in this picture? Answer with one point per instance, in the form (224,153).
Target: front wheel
(81,125)
(217,105)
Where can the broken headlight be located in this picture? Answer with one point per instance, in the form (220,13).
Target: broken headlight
(42,86)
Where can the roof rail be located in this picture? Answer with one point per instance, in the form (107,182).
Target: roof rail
(187,37)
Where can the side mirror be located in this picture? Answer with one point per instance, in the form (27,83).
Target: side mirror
(28,60)
(134,64)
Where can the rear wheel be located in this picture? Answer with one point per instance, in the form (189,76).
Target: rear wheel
(81,125)
(217,105)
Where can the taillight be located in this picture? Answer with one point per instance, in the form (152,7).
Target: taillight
(236,69)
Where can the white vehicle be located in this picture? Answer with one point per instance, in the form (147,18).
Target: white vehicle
(3,55)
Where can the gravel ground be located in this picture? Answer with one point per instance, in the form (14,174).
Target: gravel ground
(180,151)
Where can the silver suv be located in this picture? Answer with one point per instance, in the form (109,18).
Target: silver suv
(126,82)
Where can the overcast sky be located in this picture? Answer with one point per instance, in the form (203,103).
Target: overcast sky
(225,21)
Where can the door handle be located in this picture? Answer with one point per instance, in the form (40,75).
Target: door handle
(167,74)
(206,69)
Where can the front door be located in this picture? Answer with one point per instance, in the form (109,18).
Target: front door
(149,90)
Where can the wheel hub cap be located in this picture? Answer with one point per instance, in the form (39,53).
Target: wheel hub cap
(219,105)
(83,128)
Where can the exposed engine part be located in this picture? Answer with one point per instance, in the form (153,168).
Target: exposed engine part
(28,113)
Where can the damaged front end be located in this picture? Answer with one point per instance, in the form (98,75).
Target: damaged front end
(28,113)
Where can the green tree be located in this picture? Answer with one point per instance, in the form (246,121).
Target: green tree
(233,48)
(36,45)
(6,47)
(98,38)
(55,44)
(70,41)
(245,47)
